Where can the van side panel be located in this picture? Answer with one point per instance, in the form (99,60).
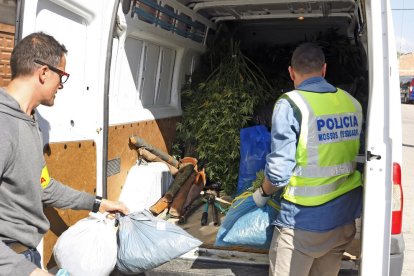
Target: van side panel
(149,67)
(159,133)
(73,163)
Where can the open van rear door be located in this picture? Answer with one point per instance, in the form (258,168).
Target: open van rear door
(85,28)
(76,148)
(383,141)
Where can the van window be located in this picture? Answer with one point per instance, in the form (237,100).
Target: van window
(151,67)
(164,76)
(133,48)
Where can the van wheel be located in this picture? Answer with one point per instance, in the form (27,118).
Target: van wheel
(126,6)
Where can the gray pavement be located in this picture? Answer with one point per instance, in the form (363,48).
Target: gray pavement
(408,186)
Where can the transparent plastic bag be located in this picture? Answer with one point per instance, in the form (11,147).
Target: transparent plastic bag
(88,247)
(145,242)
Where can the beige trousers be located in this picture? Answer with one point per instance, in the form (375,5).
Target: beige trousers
(302,253)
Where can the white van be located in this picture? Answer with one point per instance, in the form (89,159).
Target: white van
(128,61)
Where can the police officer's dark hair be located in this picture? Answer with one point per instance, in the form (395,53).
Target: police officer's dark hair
(35,46)
(307,58)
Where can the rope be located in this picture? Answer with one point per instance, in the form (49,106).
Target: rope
(241,198)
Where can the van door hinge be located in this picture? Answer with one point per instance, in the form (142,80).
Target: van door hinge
(371,156)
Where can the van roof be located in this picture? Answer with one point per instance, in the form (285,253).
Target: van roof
(226,10)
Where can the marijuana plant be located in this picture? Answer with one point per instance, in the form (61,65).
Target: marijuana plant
(215,110)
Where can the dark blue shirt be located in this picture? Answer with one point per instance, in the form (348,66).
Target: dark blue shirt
(280,163)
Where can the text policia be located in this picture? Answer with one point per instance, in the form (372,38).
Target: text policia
(337,128)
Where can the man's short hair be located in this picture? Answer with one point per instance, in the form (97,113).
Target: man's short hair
(35,46)
(307,58)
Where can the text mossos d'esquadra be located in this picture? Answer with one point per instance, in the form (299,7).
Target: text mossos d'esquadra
(335,128)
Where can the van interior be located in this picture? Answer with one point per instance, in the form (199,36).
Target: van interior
(163,48)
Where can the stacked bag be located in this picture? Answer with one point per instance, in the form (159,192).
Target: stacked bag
(94,246)
(140,241)
(248,225)
(146,242)
(89,247)
(245,224)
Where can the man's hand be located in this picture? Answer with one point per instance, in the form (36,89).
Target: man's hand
(262,195)
(113,206)
(39,272)
(260,198)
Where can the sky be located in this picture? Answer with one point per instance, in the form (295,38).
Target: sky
(403,25)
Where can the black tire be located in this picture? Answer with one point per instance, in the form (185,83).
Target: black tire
(126,6)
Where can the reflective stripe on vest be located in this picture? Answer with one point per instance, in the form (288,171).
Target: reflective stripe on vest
(327,147)
(316,171)
(316,190)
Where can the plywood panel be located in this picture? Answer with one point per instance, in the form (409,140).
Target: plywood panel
(6,47)
(159,133)
(74,164)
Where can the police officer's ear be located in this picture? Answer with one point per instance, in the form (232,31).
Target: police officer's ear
(324,70)
(291,73)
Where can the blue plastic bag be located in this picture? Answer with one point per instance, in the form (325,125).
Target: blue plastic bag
(254,146)
(248,225)
(62,272)
(145,242)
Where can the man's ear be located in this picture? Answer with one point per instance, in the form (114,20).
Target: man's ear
(324,70)
(42,73)
(291,73)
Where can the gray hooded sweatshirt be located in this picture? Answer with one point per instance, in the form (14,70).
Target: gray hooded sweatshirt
(21,194)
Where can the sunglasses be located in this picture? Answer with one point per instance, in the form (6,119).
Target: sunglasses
(62,74)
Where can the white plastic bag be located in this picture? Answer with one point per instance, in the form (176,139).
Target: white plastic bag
(146,242)
(144,185)
(89,247)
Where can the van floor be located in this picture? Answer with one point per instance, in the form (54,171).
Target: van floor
(207,234)
(255,262)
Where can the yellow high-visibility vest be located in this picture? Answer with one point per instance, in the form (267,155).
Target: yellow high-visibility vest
(327,148)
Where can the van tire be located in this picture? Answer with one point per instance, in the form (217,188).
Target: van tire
(126,6)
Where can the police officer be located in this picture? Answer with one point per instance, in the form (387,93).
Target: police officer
(315,140)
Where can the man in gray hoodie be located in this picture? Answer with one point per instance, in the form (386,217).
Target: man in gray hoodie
(38,71)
